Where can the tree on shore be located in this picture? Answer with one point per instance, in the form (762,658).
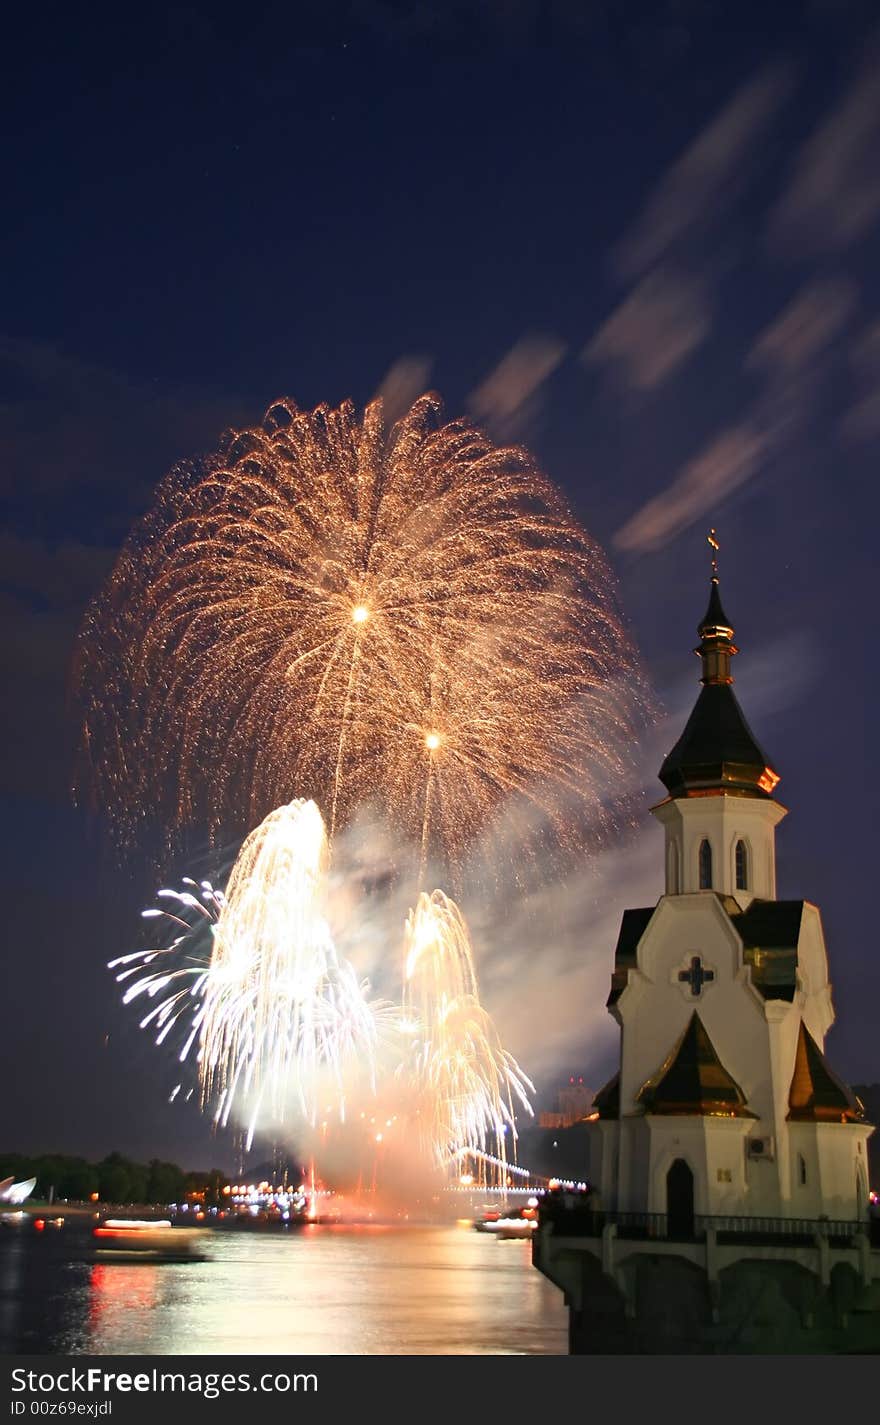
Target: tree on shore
(115,1178)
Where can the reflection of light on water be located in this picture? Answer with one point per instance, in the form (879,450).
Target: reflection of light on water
(121,1299)
(370,1290)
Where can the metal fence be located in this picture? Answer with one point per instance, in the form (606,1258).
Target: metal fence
(574,1219)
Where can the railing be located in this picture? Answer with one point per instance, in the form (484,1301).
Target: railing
(574,1219)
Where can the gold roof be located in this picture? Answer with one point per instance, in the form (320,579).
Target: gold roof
(693,1080)
(817,1095)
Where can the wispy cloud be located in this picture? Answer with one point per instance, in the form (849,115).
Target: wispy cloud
(728,462)
(662,321)
(834,193)
(704,180)
(862,420)
(508,397)
(806,328)
(674,254)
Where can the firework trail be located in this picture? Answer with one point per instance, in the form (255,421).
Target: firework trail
(277,1016)
(175,974)
(250,985)
(407,617)
(467,1085)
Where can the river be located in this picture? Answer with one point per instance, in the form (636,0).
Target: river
(320,1290)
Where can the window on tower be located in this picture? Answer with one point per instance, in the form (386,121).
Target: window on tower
(705,866)
(742,866)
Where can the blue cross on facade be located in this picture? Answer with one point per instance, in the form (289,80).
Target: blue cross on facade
(696,976)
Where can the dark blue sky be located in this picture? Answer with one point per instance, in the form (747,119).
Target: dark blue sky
(641,238)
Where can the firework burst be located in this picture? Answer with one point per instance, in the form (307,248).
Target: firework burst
(407,617)
(277,1018)
(467,1085)
(250,987)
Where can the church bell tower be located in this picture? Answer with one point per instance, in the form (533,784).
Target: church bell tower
(720,817)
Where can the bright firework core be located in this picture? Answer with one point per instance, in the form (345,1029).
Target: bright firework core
(360,613)
(432,741)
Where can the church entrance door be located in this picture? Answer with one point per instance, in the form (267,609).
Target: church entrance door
(680,1200)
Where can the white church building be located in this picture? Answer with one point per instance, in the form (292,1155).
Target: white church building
(728,1160)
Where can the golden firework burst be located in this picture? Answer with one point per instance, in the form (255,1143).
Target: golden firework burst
(328,608)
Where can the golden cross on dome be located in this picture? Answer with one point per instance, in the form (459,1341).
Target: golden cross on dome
(712,538)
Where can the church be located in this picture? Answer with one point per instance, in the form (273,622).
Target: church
(729,1204)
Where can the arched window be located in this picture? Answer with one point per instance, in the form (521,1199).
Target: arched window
(742,866)
(705,866)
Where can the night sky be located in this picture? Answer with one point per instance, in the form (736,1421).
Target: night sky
(643,239)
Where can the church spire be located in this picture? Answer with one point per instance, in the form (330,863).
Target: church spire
(717,750)
(715,630)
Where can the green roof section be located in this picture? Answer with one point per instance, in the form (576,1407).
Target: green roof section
(770,932)
(693,1080)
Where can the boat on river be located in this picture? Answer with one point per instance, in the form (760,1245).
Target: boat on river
(135,1239)
(517,1222)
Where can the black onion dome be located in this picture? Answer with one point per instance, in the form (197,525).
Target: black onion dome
(717,752)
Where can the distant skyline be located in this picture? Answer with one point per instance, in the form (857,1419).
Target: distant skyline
(641,240)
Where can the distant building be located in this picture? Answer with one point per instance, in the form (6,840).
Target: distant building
(574,1102)
(729,1158)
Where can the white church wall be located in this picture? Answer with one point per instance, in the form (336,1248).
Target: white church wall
(602,1157)
(839,1160)
(783,1027)
(817,1009)
(633,1165)
(656,1006)
(726,1165)
(763,1196)
(721,820)
(714,1150)
(672,1138)
(804,1172)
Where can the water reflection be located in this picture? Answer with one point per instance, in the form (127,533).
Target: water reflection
(318,1291)
(122,1291)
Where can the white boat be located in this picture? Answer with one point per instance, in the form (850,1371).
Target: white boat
(148,1240)
(521,1222)
(515,1227)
